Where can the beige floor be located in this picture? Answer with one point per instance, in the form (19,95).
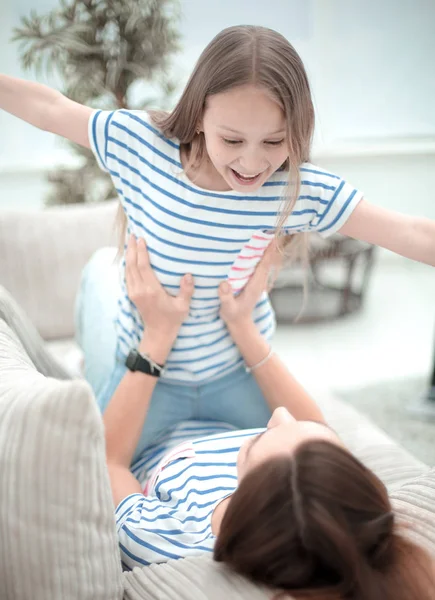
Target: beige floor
(394,336)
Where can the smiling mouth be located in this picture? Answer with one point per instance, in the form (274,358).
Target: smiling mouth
(245,179)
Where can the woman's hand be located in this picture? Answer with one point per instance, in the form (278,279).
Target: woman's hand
(126,413)
(237,309)
(160,311)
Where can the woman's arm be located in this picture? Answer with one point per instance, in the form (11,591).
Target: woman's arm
(126,413)
(278,385)
(45,108)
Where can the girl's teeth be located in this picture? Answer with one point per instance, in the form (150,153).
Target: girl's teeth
(245,177)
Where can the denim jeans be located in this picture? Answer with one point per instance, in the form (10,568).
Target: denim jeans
(234,398)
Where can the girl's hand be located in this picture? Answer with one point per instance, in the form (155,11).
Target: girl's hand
(160,311)
(236,309)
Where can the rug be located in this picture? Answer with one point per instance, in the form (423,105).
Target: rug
(387,404)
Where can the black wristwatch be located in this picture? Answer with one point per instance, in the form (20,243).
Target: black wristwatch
(143,363)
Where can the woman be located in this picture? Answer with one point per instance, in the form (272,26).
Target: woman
(288,506)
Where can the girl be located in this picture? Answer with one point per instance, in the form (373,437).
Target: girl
(319,524)
(209,186)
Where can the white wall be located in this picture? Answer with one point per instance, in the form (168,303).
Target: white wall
(371,71)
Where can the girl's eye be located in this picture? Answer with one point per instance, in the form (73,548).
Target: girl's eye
(231,142)
(234,142)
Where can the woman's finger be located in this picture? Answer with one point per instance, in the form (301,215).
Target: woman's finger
(226,295)
(149,282)
(143,259)
(186,288)
(132,275)
(257,284)
(273,261)
(272,257)
(225,289)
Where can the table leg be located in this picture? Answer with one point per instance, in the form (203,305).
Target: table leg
(431,391)
(425,405)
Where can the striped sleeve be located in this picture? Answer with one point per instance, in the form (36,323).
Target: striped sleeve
(98,133)
(118,138)
(149,532)
(329,199)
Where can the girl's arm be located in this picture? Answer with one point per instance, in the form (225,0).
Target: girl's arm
(413,237)
(45,108)
(278,385)
(127,410)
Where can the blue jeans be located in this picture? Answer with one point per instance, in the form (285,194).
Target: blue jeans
(234,398)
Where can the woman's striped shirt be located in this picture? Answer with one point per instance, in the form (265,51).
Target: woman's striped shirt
(215,236)
(186,478)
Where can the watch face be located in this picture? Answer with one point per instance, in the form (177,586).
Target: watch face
(131,361)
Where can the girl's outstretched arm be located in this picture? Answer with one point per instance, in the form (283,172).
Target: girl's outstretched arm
(45,108)
(413,237)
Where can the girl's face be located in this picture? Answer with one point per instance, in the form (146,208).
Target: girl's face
(283,434)
(245,135)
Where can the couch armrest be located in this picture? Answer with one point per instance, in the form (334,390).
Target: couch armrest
(42,254)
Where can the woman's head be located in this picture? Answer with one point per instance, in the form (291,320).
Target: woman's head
(280,439)
(250,99)
(313,520)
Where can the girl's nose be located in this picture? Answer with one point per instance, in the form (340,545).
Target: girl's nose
(252,163)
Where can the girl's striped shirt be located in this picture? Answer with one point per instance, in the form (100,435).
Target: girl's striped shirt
(187,475)
(215,236)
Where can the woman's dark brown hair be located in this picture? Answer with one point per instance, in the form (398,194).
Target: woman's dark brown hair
(320,525)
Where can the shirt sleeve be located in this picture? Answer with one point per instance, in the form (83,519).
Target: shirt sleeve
(149,532)
(98,133)
(119,138)
(328,199)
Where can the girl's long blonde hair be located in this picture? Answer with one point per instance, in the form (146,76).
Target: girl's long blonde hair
(240,55)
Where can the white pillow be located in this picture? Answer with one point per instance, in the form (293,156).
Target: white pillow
(58,539)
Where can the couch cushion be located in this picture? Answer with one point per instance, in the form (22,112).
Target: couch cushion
(42,254)
(414,504)
(58,537)
(193,578)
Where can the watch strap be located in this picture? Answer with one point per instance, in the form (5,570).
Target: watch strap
(144,363)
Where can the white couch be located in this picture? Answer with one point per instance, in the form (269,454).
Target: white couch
(58,539)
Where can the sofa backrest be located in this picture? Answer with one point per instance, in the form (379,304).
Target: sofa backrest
(42,254)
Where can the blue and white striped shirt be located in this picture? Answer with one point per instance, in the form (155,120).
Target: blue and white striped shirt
(184,483)
(213,235)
